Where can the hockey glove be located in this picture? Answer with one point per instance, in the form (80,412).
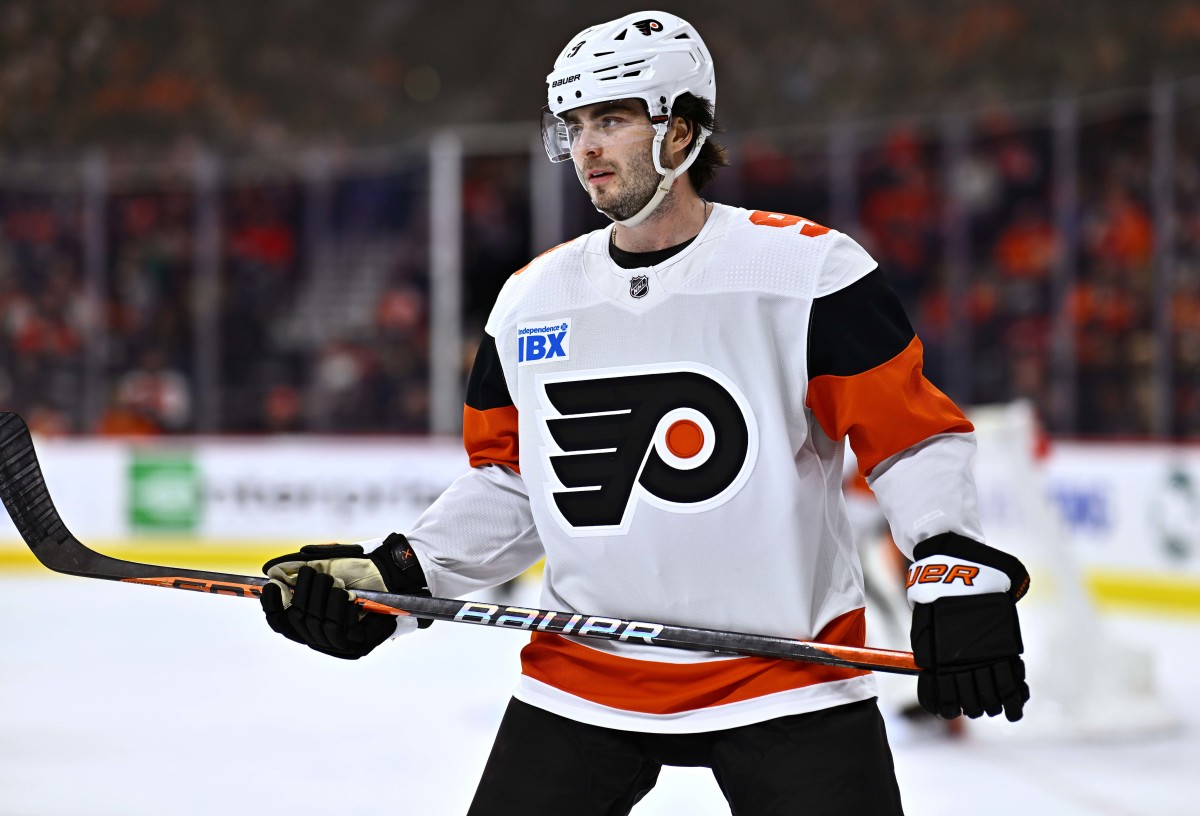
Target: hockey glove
(310,598)
(965,633)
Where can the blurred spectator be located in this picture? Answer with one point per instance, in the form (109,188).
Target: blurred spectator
(43,313)
(283,410)
(1119,230)
(124,417)
(341,394)
(496,228)
(161,396)
(258,283)
(43,420)
(400,313)
(1027,248)
(901,211)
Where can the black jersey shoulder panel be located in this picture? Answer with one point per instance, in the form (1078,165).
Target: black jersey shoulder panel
(857,328)
(486,387)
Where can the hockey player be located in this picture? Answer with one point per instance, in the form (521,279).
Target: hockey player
(660,409)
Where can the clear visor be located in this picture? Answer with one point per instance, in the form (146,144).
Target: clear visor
(604,128)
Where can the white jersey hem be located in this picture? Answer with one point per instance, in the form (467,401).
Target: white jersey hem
(713,718)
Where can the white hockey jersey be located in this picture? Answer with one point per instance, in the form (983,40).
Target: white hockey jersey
(661,436)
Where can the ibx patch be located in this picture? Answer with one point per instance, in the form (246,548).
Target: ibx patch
(544,342)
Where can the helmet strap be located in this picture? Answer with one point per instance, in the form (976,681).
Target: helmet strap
(668,174)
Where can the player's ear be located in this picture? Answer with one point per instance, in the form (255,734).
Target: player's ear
(680,135)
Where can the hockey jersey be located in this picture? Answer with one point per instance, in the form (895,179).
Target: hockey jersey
(671,439)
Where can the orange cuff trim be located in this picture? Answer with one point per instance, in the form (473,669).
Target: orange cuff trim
(884,410)
(490,436)
(650,687)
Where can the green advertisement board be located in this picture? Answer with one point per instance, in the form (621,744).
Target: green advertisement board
(164,493)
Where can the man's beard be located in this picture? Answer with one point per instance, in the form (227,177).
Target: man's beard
(639,180)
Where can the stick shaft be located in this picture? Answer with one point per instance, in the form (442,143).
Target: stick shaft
(571,623)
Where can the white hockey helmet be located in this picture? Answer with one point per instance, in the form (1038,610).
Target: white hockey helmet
(649,55)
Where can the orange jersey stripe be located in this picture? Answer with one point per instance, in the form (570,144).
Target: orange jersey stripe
(490,436)
(884,410)
(650,687)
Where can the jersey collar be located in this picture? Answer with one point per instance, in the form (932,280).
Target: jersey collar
(618,284)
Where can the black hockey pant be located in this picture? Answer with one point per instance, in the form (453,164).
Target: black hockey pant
(834,762)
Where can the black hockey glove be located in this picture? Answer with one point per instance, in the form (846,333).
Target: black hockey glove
(310,597)
(965,634)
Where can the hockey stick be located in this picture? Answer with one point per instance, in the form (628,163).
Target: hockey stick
(27,499)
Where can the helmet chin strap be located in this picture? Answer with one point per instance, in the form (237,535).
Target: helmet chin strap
(668,176)
(660,192)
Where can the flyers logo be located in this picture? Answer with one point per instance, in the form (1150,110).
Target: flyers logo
(648,27)
(681,438)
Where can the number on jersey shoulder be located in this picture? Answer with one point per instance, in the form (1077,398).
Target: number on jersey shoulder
(763,218)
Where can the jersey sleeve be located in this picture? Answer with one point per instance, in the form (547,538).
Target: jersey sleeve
(480,531)
(489,416)
(866,383)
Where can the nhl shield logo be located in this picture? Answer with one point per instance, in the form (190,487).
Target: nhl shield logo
(639,285)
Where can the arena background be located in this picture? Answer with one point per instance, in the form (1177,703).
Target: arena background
(247,249)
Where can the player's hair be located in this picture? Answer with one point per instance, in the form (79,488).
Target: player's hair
(699,112)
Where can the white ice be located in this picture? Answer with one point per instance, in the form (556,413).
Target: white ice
(130,700)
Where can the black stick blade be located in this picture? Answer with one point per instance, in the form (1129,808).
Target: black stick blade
(27,499)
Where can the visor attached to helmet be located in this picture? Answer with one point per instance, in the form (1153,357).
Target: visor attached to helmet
(603,128)
(555,137)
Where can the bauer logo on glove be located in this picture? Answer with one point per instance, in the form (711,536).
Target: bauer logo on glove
(965,633)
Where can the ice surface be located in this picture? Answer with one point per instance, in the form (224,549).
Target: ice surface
(131,700)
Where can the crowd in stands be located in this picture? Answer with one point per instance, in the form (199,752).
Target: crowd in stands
(1018,292)
(44,317)
(133,347)
(275,74)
